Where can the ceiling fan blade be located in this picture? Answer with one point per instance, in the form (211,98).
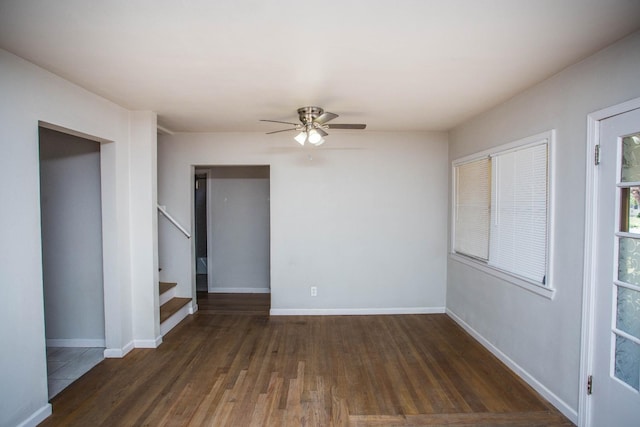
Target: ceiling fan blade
(278,121)
(283,130)
(325,117)
(346,126)
(321,132)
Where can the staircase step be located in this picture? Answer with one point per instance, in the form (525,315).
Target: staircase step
(166,286)
(172,306)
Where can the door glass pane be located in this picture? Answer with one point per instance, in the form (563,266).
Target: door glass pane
(629,261)
(631,158)
(630,210)
(627,363)
(628,311)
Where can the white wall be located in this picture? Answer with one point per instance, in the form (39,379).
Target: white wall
(144,236)
(542,336)
(239,229)
(29,95)
(71,239)
(361,218)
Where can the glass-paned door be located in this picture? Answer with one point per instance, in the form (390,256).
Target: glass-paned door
(626,324)
(616,375)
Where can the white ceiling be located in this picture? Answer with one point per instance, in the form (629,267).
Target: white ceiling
(222,65)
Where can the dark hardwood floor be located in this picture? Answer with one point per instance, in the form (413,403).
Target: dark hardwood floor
(248,304)
(243,369)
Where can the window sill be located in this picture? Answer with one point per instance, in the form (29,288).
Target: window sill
(500,274)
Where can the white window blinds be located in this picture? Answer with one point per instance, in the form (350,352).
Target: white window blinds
(472,198)
(519,212)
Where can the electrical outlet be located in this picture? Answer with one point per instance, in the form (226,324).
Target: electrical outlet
(314,291)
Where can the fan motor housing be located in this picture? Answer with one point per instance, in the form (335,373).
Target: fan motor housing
(309,114)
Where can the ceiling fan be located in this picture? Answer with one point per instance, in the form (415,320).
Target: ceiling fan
(313,125)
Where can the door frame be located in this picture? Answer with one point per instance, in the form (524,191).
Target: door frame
(590,253)
(75,342)
(201,170)
(208,169)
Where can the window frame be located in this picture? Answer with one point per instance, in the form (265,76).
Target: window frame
(547,290)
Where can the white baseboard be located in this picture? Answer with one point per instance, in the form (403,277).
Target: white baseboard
(560,404)
(193,307)
(239,290)
(75,342)
(117,353)
(148,343)
(113,353)
(37,417)
(354,311)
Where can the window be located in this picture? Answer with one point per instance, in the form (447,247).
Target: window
(501,208)
(473,185)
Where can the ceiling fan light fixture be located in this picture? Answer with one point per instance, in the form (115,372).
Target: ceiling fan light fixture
(301,137)
(314,137)
(313,125)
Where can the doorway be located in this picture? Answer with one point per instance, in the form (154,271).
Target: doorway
(237,231)
(200,222)
(611,355)
(72,259)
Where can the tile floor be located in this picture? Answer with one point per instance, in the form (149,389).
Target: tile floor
(67,364)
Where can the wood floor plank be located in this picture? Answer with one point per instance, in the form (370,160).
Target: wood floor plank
(539,418)
(266,401)
(200,414)
(339,410)
(250,369)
